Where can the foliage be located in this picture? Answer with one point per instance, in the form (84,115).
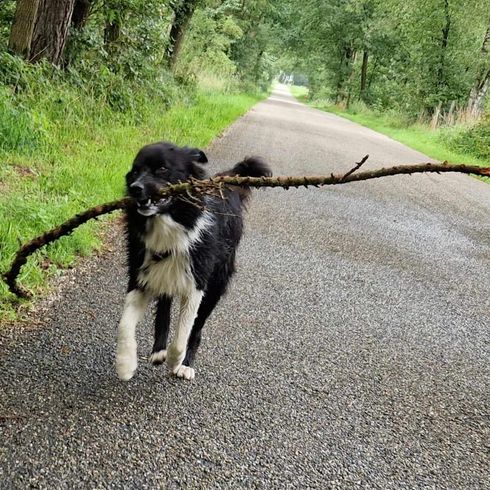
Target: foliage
(231,39)
(417,56)
(7,8)
(473,139)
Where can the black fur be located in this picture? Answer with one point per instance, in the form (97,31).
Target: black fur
(212,258)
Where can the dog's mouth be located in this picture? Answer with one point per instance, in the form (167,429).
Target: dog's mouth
(147,207)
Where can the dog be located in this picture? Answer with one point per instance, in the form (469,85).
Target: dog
(178,247)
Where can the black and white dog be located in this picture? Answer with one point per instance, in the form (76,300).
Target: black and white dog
(177,249)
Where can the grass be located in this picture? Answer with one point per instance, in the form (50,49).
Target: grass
(301,93)
(432,143)
(84,164)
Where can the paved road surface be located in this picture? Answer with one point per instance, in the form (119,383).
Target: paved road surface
(359,359)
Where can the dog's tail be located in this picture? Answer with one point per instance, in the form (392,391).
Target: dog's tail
(249,167)
(252,167)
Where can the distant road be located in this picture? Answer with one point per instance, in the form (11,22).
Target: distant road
(360,358)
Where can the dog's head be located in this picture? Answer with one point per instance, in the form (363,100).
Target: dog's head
(158,165)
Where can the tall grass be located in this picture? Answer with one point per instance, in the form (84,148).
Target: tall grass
(473,138)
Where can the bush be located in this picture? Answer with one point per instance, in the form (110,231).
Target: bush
(474,139)
(37,100)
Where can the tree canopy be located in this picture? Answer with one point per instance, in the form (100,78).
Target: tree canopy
(413,57)
(419,58)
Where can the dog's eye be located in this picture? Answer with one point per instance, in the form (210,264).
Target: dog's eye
(161,171)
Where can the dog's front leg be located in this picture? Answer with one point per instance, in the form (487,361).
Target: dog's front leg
(126,354)
(176,351)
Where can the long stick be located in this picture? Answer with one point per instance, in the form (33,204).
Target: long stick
(212,186)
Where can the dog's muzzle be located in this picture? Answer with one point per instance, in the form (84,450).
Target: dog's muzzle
(147,207)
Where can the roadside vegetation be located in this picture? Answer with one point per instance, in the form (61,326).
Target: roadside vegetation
(417,71)
(75,109)
(463,143)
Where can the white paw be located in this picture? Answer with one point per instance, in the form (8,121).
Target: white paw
(185,372)
(126,366)
(174,357)
(158,357)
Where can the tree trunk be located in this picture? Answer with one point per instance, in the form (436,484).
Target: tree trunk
(482,80)
(441,77)
(344,56)
(115,14)
(364,67)
(81,12)
(477,95)
(51,30)
(373,73)
(345,73)
(434,123)
(350,80)
(257,66)
(23,27)
(183,14)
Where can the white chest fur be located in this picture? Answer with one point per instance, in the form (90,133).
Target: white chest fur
(171,275)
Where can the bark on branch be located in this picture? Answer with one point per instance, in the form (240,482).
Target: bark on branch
(212,186)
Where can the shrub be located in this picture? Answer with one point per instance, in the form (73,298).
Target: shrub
(36,100)
(474,139)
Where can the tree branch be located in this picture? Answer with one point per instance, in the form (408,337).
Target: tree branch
(213,186)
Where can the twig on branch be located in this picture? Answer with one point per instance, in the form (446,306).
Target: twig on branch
(357,167)
(213,186)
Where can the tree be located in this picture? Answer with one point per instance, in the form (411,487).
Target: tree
(51,30)
(23,27)
(482,79)
(81,12)
(411,57)
(441,77)
(183,11)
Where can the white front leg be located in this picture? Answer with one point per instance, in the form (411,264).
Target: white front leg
(126,355)
(189,305)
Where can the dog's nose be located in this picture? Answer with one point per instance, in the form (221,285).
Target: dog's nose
(136,189)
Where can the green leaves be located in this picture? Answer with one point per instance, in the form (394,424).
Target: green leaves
(420,53)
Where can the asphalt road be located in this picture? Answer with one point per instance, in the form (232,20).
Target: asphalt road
(359,358)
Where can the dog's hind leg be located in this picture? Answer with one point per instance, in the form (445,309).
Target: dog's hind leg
(126,354)
(162,324)
(189,306)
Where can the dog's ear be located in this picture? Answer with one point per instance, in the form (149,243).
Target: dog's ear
(197,155)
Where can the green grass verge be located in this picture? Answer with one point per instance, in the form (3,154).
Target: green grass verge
(417,136)
(84,165)
(301,93)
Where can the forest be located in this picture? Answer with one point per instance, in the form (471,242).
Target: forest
(84,83)
(121,54)
(422,58)
(426,60)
